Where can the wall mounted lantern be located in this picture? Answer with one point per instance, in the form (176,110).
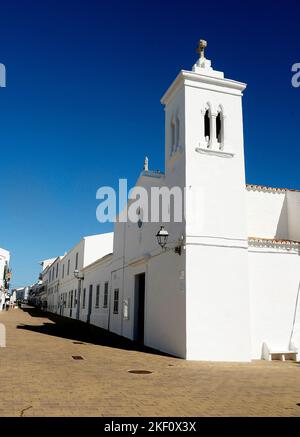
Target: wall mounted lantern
(162,239)
(77,275)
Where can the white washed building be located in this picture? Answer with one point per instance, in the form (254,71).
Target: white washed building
(67,293)
(22,293)
(230,290)
(4,262)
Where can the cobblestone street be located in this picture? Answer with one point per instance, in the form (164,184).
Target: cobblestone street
(39,377)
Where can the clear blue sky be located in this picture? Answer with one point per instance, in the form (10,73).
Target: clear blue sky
(81,107)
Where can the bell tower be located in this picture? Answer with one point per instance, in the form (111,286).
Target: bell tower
(216,242)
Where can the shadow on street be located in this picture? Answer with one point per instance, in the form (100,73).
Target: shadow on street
(79,331)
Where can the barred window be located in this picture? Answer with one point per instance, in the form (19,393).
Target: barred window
(97,296)
(83,298)
(105,297)
(116,301)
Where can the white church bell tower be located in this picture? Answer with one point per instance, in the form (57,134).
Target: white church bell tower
(205,154)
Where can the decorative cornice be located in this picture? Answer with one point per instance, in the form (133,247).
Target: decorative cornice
(233,87)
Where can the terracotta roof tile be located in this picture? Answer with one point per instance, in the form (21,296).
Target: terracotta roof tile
(273,241)
(270,189)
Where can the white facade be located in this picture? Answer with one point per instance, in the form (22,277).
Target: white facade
(4,261)
(64,290)
(232,293)
(95,292)
(22,293)
(274,267)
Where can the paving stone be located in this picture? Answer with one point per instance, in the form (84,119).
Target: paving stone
(40,378)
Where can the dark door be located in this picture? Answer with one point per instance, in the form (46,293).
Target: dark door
(71,303)
(139,308)
(90,304)
(78,300)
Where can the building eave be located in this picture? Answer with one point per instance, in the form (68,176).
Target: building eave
(202,79)
(265,188)
(274,242)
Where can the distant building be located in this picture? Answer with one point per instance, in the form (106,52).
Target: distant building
(4,275)
(58,289)
(22,294)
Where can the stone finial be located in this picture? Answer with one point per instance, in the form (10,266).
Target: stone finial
(203,65)
(146,163)
(201,47)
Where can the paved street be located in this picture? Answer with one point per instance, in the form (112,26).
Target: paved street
(39,377)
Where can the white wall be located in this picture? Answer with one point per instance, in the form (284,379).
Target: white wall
(293,207)
(89,249)
(51,277)
(274,275)
(96,274)
(267,213)
(164,327)
(4,258)
(165,318)
(136,251)
(97,246)
(218,325)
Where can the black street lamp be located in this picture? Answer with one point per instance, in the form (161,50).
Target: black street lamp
(162,237)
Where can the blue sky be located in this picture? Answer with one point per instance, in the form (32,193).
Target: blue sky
(82,103)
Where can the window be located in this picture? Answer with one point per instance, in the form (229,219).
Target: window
(83,298)
(76,261)
(71,301)
(220,129)
(177,133)
(57,270)
(116,301)
(90,295)
(75,298)
(173,138)
(207,126)
(68,272)
(63,271)
(105,297)
(97,296)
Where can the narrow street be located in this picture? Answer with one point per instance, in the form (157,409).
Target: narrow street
(40,377)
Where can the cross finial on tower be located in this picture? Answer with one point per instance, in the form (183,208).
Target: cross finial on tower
(201,47)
